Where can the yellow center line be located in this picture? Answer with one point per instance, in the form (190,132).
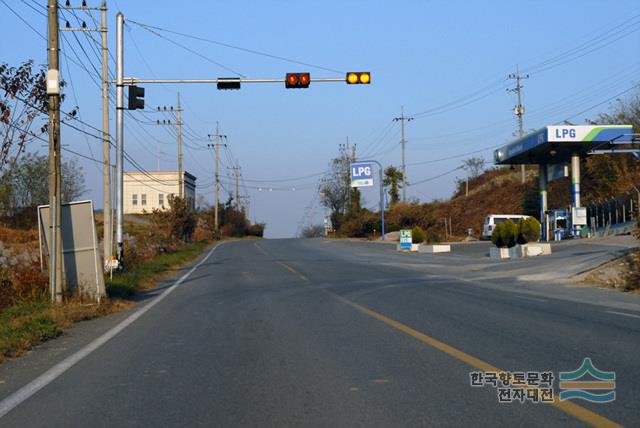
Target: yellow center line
(283,264)
(292,270)
(568,407)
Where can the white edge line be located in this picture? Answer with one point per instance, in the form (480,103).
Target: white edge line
(24,393)
(624,314)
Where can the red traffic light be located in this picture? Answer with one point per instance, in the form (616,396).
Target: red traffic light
(297,80)
(358,78)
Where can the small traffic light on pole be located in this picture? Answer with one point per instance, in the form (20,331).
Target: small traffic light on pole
(358,78)
(228,83)
(297,80)
(136,97)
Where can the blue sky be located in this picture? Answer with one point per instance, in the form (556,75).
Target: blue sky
(428,56)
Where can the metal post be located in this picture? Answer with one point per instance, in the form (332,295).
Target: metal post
(404,166)
(575,188)
(217,143)
(119,137)
(180,171)
(380,172)
(543,179)
(53,92)
(106,144)
(402,119)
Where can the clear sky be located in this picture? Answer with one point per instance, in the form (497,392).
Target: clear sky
(448,60)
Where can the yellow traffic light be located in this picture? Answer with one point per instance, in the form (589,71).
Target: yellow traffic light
(358,78)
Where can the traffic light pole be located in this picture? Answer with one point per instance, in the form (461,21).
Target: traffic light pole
(119,137)
(381,192)
(303,80)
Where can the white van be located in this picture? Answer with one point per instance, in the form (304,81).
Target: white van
(493,219)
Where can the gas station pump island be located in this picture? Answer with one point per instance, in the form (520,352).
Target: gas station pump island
(558,148)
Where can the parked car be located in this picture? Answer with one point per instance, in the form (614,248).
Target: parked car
(493,219)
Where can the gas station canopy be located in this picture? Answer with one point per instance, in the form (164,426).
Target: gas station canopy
(556,144)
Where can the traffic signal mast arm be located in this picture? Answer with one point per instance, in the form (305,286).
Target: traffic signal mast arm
(128,81)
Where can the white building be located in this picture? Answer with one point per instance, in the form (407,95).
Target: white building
(144,192)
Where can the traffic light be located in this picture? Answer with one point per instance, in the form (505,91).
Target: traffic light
(136,97)
(228,83)
(358,78)
(297,80)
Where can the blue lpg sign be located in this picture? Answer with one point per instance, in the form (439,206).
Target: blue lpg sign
(361,175)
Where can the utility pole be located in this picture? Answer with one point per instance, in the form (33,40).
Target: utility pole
(180,171)
(216,145)
(402,119)
(119,137)
(519,110)
(106,143)
(236,173)
(53,91)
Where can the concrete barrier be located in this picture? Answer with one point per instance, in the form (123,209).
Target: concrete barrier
(438,248)
(499,253)
(414,248)
(531,249)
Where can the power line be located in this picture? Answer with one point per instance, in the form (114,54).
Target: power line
(227,45)
(188,49)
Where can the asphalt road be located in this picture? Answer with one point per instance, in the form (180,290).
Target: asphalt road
(325,333)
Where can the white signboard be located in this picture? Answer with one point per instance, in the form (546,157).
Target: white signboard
(579,216)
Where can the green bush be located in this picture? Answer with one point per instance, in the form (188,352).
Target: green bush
(417,235)
(509,233)
(496,236)
(528,230)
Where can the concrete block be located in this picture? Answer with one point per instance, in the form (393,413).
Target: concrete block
(531,249)
(439,248)
(498,253)
(414,248)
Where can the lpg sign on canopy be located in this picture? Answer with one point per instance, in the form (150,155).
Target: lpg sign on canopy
(361,175)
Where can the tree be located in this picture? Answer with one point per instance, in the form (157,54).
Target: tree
(23,100)
(393,180)
(26,185)
(474,166)
(174,224)
(335,189)
(313,231)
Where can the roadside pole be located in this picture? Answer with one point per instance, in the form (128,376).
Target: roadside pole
(106,143)
(119,137)
(381,193)
(55,212)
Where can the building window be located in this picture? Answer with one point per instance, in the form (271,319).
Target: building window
(134,200)
(143,199)
(161,199)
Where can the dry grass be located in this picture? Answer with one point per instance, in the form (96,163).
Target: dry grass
(29,324)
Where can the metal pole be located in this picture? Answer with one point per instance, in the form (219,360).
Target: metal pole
(542,177)
(217,143)
(404,167)
(119,137)
(180,172)
(237,171)
(380,172)
(575,187)
(106,144)
(381,202)
(53,92)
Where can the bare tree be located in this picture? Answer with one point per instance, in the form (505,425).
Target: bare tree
(474,166)
(23,100)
